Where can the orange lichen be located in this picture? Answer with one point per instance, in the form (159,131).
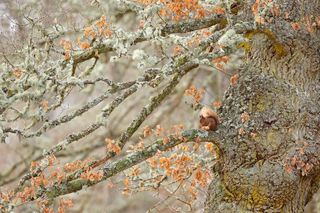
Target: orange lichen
(234,79)
(178,9)
(195,93)
(112,146)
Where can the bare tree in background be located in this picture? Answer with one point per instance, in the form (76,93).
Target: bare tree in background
(109,92)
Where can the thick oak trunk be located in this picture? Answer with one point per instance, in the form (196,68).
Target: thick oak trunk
(270,162)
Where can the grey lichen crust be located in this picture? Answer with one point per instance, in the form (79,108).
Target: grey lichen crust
(258,171)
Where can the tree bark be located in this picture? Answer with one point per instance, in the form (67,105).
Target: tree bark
(270,162)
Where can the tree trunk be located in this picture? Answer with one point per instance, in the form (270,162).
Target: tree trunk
(270,159)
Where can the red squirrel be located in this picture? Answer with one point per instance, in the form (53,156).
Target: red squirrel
(209,120)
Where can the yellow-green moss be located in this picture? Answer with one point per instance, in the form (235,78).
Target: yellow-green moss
(255,199)
(277,46)
(182,60)
(245,45)
(261,103)
(280,50)
(258,198)
(271,136)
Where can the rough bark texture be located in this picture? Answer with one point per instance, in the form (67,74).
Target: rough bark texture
(270,163)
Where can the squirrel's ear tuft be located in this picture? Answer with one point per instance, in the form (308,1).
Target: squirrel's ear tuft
(207,112)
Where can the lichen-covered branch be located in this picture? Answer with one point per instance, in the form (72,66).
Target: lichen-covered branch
(113,168)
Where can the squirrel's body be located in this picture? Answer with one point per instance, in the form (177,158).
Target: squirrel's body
(209,120)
